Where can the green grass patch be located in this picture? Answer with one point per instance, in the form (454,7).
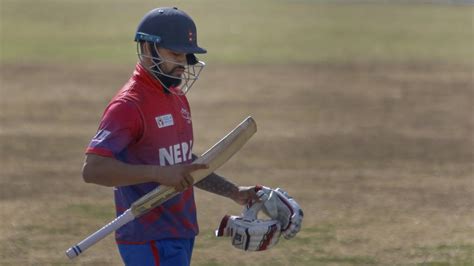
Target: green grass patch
(434,264)
(206,241)
(345,260)
(326,259)
(452,254)
(95,211)
(446,263)
(211,262)
(45,229)
(245,31)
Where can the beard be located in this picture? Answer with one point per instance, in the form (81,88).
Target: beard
(167,81)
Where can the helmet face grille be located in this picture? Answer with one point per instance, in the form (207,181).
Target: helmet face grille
(191,72)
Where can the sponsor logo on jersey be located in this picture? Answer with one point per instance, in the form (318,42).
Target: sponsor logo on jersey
(186,115)
(101,135)
(176,153)
(164,120)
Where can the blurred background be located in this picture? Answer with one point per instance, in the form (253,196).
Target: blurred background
(364,113)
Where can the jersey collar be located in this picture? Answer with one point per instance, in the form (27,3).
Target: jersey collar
(143,75)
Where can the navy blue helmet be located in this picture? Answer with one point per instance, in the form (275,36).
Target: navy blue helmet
(169,28)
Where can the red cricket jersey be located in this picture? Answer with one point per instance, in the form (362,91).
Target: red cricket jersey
(144,125)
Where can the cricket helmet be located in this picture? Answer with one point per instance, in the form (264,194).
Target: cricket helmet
(170,28)
(173,29)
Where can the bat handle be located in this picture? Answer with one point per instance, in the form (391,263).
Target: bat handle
(76,250)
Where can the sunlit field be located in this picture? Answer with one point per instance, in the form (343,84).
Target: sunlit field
(364,115)
(242,31)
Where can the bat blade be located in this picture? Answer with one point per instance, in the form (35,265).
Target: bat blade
(215,157)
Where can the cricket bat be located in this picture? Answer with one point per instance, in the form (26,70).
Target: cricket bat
(215,157)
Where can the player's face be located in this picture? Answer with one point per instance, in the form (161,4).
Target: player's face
(173,62)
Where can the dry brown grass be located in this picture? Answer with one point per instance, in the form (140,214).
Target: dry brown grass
(380,157)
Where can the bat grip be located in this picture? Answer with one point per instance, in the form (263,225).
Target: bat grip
(76,250)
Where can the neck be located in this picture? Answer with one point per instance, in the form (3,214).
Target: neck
(165,81)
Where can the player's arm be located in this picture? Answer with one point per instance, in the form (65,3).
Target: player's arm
(122,124)
(109,171)
(219,185)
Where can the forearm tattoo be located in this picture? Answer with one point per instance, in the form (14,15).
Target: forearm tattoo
(218,185)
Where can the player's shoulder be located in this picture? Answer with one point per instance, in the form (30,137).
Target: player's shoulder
(130,92)
(122,107)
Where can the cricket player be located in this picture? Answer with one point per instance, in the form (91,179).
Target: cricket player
(145,139)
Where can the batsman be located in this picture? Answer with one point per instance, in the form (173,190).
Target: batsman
(145,140)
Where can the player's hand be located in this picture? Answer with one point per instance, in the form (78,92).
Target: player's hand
(178,176)
(245,195)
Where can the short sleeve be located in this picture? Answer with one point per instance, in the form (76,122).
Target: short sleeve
(120,126)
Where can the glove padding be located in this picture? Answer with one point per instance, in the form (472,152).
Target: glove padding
(249,233)
(278,205)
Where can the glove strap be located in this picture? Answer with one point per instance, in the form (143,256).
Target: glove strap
(222,226)
(268,238)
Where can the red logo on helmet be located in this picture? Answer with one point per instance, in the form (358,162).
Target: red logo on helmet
(190,36)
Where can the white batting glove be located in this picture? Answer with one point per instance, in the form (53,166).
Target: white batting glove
(278,205)
(249,233)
